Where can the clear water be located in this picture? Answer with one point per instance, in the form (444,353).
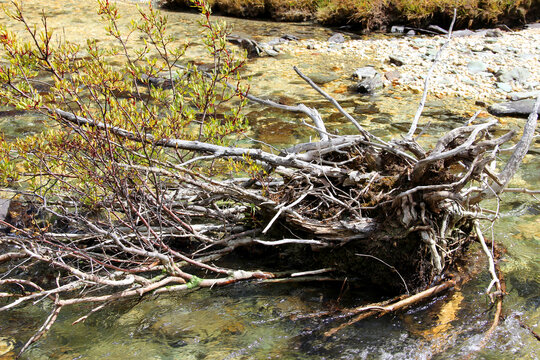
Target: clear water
(260,321)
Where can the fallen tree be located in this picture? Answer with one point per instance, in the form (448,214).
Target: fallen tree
(139,187)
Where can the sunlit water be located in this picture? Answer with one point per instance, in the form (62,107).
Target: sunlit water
(260,321)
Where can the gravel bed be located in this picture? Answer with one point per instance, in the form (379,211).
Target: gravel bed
(486,65)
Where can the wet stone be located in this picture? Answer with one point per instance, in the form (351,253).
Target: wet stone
(401,126)
(513,108)
(380,120)
(321,79)
(5,113)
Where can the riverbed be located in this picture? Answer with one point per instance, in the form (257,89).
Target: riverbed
(281,321)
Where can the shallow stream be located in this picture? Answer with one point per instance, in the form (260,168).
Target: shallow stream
(269,321)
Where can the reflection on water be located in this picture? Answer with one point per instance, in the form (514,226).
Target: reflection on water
(254,321)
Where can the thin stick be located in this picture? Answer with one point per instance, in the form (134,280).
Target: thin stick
(391,267)
(370,310)
(489,255)
(515,160)
(334,102)
(420,109)
(43,329)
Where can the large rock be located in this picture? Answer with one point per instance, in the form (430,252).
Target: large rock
(521,108)
(369,80)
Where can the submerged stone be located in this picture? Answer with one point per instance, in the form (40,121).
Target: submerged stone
(321,79)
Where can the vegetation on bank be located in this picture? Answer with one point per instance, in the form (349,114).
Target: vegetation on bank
(378,14)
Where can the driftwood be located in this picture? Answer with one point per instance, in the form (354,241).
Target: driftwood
(390,212)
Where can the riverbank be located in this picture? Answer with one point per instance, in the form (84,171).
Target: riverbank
(378,14)
(486,65)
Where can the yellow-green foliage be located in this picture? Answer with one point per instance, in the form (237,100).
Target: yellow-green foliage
(94,164)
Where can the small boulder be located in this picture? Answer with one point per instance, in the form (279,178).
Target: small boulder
(462,33)
(504,86)
(476,67)
(524,95)
(269,50)
(252,47)
(321,79)
(369,80)
(493,33)
(337,38)
(397,29)
(396,60)
(368,85)
(364,73)
(518,74)
(392,75)
(520,108)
